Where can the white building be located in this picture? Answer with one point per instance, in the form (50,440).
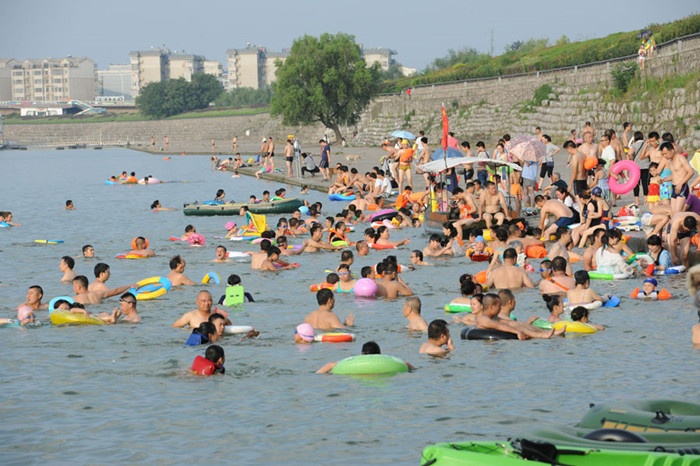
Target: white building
(385,57)
(115,81)
(6,65)
(54,80)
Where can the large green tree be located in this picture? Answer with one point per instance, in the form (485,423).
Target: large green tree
(164,99)
(324,80)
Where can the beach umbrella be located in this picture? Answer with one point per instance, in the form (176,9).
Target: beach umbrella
(451,152)
(436,166)
(527,148)
(403,135)
(644,34)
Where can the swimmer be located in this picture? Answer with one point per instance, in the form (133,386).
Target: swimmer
(273,255)
(197,316)
(382,237)
(582,294)
(141,248)
(560,247)
(508,275)
(221,255)
(507,304)
(88,251)
(555,304)
(189,231)
(66,266)
(205,333)
(219,323)
(580,314)
(155,206)
(304,334)
(392,285)
(83,295)
(489,319)
(417,258)
(212,362)
(368,348)
(554,277)
(102,274)
(469,318)
(25,315)
(235,293)
(316,243)
(435,248)
(346,283)
(126,310)
(283,245)
(177,268)
(34,295)
(411,311)
(69,205)
(362,248)
(439,342)
(323,318)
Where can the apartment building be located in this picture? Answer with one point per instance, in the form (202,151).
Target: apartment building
(52,79)
(115,81)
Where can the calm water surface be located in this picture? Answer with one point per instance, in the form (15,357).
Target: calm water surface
(122,393)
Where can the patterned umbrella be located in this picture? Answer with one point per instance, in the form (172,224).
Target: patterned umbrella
(527,148)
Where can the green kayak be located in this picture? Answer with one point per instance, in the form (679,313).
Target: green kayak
(281,206)
(644,416)
(524,452)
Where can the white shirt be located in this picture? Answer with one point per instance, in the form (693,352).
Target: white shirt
(608,155)
(611,262)
(386,186)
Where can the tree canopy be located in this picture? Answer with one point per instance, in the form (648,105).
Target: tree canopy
(164,99)
(324,80)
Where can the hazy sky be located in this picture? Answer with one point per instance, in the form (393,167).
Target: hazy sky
(419,31)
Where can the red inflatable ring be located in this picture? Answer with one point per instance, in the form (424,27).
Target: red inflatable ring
(632,176)
(335,337)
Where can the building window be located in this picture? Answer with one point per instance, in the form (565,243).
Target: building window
(37,73)
(37,90)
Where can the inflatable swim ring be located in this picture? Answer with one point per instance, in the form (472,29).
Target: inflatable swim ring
(381,246)
(574,327)
(543,324)
(633,176)
(386,214)
(133,244)
(61,317)
(175,238)
(590,306)
(321,286)
(235,329)
(473,333)
(335,337)
(52,303)
(131,256)
(110,182)
(150,288)
(608,276)
(369,364)
(48,241)
(339,243)
(455,308)
(212,277)
(535,251)
(341,197)
(238,255)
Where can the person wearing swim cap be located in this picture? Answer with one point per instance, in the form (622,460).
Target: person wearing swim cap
(304,334)
(649,287)
(25,315)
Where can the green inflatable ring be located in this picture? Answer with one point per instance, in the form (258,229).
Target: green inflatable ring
(369,364)
(644,416)
(456,308)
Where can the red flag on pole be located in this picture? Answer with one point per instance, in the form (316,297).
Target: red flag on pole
(445,128)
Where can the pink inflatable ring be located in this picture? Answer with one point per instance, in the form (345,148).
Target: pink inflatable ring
(632,176)
(195,239)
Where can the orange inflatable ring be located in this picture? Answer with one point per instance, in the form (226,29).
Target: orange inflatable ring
(321,286)
(133,244)
(381,246)
(335,337)
(535,251)
(372,207)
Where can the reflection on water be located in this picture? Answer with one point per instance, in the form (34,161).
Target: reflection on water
(123,393)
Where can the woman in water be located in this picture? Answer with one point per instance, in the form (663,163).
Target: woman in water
(156,206)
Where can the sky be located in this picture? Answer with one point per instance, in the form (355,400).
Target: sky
(418,31)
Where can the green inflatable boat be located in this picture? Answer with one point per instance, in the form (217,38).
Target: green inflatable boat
(644,416)
(527,452)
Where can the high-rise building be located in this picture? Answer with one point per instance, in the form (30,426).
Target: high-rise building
(270,66)
(54,79)
(246,67)
(185,65)
(115,81)
(6,65)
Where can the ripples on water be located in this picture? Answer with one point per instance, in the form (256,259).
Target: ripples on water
(123,394)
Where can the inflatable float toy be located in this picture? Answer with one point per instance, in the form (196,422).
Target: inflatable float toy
(386,214)
(613,301)
(608,276)
(484,256)
(321,286)
(381,246)
(341,197)
(644,416)
(487,235)
(541,323)
(52,303)
(131,256)
(334,337)
(237,255)
(11,323)
(383,223)
(236,329)
(212,277)
(537,452)
(535,251)
(133,244)
(590,163)
(151,288)
(294,265)
(196,239)
(365,288)
(481,277)
(676,269)
(339,243)
(574,327)
(632,179)
(49,241)
(369,364)
(61,317)
(110,182)
(176,238)
(473,333)
(456,308)
(4,225)
(153,181)
(660,295)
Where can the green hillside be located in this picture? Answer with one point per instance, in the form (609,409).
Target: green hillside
(544,58)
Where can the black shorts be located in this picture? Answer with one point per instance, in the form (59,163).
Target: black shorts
(580,186)
(684,192)
(323,163)
(469,174)
(546,170)
(289,159)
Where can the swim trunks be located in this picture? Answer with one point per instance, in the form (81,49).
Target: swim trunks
(565,221)
(579,187)
(684,191)
(323,163)
(289,159)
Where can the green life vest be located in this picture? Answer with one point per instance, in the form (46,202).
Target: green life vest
(234,295)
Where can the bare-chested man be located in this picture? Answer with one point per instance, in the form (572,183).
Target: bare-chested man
(508,275)
(651,148)
(271,153)
(488,319)
(66,266)
(323,318)
(316,243)
(579,174)
(392,285)
(656,219)
(559,282)
(102,274)
(560,247)
(681,173)
(141,248)
(683,226)
(563,215)
(177,272)
(197,316)
(34,295)
(492,205)
(84,296)
(221,255)
(515,233)
(589,148)
(589,262)
(289,156)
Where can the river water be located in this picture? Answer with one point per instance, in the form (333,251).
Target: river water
(122,394)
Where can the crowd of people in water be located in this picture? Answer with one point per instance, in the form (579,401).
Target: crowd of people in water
(577,223)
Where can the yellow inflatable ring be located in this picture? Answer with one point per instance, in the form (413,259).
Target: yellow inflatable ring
(61,317)
(574,327)
(152,289)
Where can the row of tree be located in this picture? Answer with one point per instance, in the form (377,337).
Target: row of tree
(167,98)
